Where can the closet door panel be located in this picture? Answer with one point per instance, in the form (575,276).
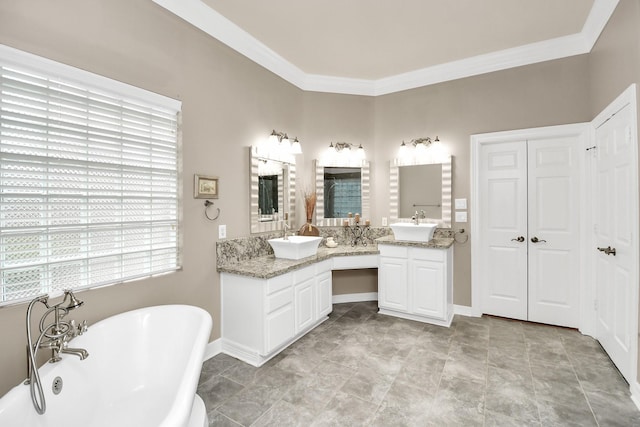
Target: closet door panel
(503,212)
(553,230)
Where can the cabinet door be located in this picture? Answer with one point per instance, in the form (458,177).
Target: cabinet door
(324,294)
(304,304)
(278,328)
(427,283)
(393,284)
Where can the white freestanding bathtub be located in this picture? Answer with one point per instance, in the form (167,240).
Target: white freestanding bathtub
(142,370)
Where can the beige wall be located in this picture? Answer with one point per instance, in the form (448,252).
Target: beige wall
(230,103)
(614,62)
(545,94)
(355,281)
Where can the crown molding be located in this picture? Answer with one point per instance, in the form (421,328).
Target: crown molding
(211,22)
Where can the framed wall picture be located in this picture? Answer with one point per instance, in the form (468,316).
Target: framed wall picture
(205,187)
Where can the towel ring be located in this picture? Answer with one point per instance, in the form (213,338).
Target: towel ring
(208,203)
(460,232)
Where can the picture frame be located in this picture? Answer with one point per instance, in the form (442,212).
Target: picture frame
(205,187)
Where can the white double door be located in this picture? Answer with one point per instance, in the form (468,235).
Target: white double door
(529,220)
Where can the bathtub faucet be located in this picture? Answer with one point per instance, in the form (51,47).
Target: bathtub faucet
(54,336)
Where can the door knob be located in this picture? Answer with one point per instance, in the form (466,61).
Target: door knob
(534,239)
(519,239)
(608,250)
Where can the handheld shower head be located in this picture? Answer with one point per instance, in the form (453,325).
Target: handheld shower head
(73,301)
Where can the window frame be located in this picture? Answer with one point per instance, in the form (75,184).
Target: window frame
(26,62)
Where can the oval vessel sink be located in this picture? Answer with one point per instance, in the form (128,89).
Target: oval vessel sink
(410,232)
(295,247)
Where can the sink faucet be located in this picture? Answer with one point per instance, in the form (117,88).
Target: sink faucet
(285,227)
(416,217)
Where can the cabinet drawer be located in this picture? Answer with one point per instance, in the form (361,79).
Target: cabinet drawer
(278,283)
(279,299)
(428,254)
(303,274)
(393,251)
(323,267)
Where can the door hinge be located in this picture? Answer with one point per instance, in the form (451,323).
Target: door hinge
(595,304)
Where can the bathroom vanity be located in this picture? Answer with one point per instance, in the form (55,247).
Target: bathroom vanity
(268,302)
(415,280)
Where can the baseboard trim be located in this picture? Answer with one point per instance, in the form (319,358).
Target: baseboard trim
(635,393)
(213,348)
(463,310)
(360,297)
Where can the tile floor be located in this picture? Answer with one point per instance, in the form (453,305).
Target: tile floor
(362,368)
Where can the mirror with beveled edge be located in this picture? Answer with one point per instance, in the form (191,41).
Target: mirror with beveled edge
(272,191)
(421,186)
(341,188)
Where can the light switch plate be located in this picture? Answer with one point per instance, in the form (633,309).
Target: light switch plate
(461,216)
(461,203)
(384,221)
(222,231)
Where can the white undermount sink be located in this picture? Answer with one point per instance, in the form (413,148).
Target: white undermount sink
(410,232)
(295,247)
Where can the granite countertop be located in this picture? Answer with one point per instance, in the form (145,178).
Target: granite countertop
(266,267)
(435,243)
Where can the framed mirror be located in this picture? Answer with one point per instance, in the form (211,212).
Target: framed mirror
(421,186)
(272,192)
(340,189)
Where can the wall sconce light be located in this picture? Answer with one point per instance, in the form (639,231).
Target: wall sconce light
(281,141)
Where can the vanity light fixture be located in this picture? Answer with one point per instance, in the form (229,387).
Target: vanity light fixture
(348,149)
(281,141)
(420,147)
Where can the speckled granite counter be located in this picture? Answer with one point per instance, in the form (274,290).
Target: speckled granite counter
(253,256)
(268,266)
(438,242)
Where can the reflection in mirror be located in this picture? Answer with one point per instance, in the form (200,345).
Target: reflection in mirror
(272,192)
(423,185)
(268,196)
(420,190)
(341,189)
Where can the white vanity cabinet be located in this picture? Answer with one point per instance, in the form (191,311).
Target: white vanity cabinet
(416,283)
(262,316)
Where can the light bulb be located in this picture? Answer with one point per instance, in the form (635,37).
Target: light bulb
(403,151)
(285,143)
(296,148)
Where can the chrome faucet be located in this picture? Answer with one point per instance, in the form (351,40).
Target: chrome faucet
(285,227)
(54,336)
(416,217)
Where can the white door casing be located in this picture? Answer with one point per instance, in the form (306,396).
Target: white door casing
(615,205)
(526,210)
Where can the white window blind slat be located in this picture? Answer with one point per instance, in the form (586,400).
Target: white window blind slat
(88,185)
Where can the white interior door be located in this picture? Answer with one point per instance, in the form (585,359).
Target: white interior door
(615,274)
(529,229)
(554,230)
(503,230)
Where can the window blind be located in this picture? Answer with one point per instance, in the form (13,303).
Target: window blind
(88,186)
